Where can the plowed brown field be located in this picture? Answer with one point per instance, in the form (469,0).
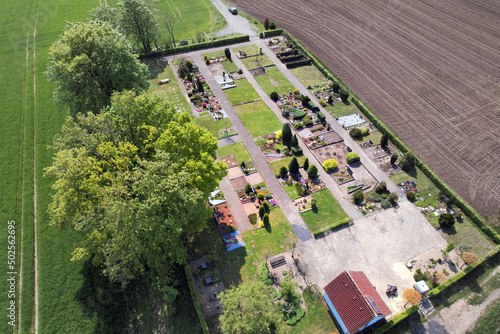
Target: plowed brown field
(429,69)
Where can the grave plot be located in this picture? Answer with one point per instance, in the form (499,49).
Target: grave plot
(239,183)
(361,177)
(252,56)
(230,161)
(271,146)
(276,43)
(255,178)
(293,57)
(224,219)
(322,139)
(234,172)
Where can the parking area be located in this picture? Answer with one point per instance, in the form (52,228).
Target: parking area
(379,245)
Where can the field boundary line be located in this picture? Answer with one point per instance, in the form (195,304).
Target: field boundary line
(182,17)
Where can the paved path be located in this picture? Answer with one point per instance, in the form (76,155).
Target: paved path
(296,221)
(235,23)
(237,211)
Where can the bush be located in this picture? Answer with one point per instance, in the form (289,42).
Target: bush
(446,219)
(296,91)
(312,171)
(274,96)
(298,125)
(355,133)
(330,164)
(300,189)
(272,25)
(321,117)
(344,94)
(385,204)
(410,196)
(253,218)
(314,203)
(261,196)
(297,151)
(285,113)
(335,86)
(306,164)
(283,171)
(307,120)
(407,161)
(240,71)
(322,103)
(294,166)
(264,274)
(227,52)
(384,140)
(183,42)
(394,158)
(265,204)
(262,211)
(358,196)
(333,226)
(352,157)
(265,220)
(393,197)
(248,188)
(379,189)
(364,131)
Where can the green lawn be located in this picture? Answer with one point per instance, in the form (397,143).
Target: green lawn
(374,136)
(274,81)
(276,165)
(328,212)
(342,109)
(309,75)
(229,66)
(258,118)
(171,90)
(424,185)
(238,150)
(207,121)
(243,92)
(249,49)
(292,192)
(489,322)
(257,61)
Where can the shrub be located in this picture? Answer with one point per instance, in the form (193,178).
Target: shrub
(265,204)
(286,133)
(300,189)
(410,196)
(306,164)
(312,171)
(469,258)
(227,52)
(321,117)
(330,99)
(364,131)
(393,197)
(283,171)
(314,203)
(407,161)
(183,42)
(265,220)
(278,135)
(293,166)
(394,158)
(298,125)
(264,274)
(297,151)
(295,141)
(344,94)
(384,140)
(335,86)
(305,100)
(355,133)
(248,188)
(358,196)
(296,91)
(266,23)
(330,164)
(240,71)
(322,103)
(352,157)
(379,189)
(272,25)
(253,218)
(307,120)
(385,204)
(262,211)
(274,96)
(285,113)
(446,219)
(261,196)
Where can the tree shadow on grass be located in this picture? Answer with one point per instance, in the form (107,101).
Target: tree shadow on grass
(450,230)
(155,67)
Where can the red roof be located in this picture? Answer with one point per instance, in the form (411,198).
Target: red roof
(350,293)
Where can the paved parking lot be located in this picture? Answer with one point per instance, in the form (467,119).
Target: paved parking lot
(379,245)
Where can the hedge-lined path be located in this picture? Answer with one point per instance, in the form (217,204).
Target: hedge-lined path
(281,197)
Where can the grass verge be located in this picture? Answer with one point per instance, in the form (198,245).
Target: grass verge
(238,150)
(258,118)
(327,212)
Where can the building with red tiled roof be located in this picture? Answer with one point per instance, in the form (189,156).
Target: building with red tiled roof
(354,302)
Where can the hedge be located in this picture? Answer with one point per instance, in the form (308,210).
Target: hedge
(271,33)
(196,302)
(397,319)
(333,226)
(192,47)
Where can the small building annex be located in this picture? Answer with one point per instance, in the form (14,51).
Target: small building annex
(354,302)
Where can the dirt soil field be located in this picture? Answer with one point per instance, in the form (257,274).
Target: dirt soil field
(429,69)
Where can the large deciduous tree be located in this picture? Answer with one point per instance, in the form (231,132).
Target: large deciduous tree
(91,61)
(105,13)
(132,180)
(137,18)
(412,296)
(247,309)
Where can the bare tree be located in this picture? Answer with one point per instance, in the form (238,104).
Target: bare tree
(167,21)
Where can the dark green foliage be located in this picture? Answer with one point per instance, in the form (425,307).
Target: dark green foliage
(272,25)
(264,274)
(333,226)
(307,120)
(358,196)
(352,157)
(248,188)
(265,204)
(300,190)
(344,94)
(199,84)
(285,113)
(446,219)
(384,140)
(305,100)
(297,151)
(266,219)
(321,117)
(385,204)
(312,171)
(293,166)
(335,86)
(228,53)
(355,132)
(384,185)
(194,298)
(253,218)
(240,71)
(394,158)
(294,141)
(410,196)
(286,134)
(407,161)
(306,164)
(262,211)
(393,197)
(283,171)
(266,23)
(330,99)
(379,189)
(314,203)
(274,96)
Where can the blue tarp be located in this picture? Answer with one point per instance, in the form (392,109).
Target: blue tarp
(230,235)
(235,246)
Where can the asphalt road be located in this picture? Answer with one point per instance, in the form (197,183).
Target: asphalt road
(236,23)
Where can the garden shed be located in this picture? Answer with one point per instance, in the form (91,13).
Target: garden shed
(354,302)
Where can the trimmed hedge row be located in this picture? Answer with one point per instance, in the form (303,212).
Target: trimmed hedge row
(447,191)
(397,319)
(198,46)
(333,226)
(271,33)
(196,302)
(437,290)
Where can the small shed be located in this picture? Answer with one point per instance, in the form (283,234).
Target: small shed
(421,287)
(354,302)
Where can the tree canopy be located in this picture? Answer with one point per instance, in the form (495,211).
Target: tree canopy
(412,296)
(407,161)
(105,13)
(131,180)
(91,61)
(247,309)
(286,134)
(312,171)
(294,166)
(137,18)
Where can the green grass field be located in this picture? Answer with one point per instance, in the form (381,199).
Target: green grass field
(424,185)
(489,322)
(276,165)
(292,192)
(342,109)
(374,136)
(328,212)
(243,92)
(207,121)
(171,91)
(238,150)
(309,75)
(258,118)
(274,81)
